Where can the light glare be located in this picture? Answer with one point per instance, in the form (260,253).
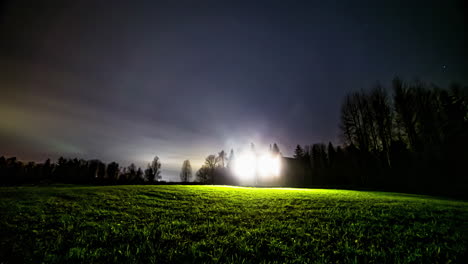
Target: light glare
(245,166)
(248,165)
(268,165)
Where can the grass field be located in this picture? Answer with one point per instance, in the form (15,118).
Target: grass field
(161,224)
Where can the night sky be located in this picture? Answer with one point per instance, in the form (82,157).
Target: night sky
(127,80)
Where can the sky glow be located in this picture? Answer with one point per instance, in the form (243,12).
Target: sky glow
(127,80)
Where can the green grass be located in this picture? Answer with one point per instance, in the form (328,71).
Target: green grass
(161,224)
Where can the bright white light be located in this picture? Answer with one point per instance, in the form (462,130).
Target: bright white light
(245,166)
(268,165)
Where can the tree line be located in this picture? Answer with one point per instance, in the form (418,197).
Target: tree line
(414,138)
(77,171)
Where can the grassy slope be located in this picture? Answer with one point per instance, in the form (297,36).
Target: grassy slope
(209,224)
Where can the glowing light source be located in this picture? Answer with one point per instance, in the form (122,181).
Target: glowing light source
(248,166)
(245,166)
(268,165)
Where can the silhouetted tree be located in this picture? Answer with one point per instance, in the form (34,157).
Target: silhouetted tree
(203,174)
(101,171)
(153,171)
(405,109)
(276,149)
(206,173)
(156,165)
(307,153)
(231,158)
(211,162)
(139,176)
(149,174)
(299,152)
(222,158)
(186,171)
(113,170)
(319,161)
(383,118)
(47,170)
(92,168)
(129,174)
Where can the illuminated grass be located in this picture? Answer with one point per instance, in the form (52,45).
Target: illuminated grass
(154,224)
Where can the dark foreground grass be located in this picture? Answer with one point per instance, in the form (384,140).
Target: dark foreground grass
(160,224)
